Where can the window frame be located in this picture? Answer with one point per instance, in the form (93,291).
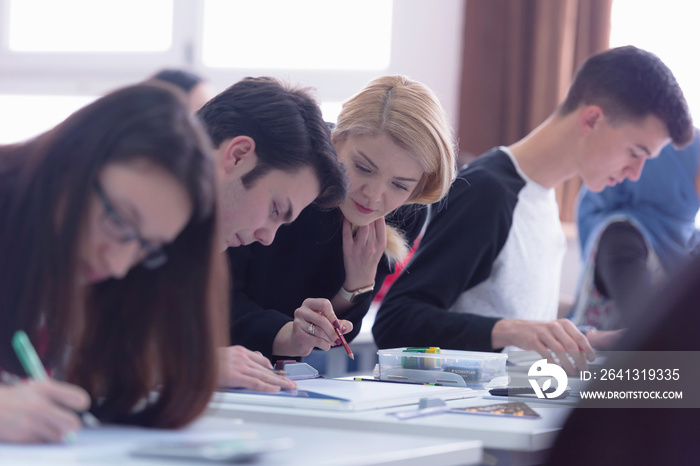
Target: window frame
(419,27)
(95,64)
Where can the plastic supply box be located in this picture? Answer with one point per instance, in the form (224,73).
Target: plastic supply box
(440,367)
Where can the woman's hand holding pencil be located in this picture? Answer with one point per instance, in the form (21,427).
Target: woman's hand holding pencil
(315,325)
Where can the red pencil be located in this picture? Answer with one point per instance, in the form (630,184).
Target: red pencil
(336,326)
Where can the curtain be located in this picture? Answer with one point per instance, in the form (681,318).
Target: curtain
(519,58)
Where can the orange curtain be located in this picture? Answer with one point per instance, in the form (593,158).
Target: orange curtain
(519,58)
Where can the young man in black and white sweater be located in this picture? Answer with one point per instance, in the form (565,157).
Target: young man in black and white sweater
(486,273)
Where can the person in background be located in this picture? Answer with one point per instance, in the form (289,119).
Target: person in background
(274,157)
(633,235)
(395,141)
(109,261)
(652,427)
(198,89)
(486,273)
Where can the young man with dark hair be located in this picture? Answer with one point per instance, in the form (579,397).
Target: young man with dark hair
(275,157)
(486,273)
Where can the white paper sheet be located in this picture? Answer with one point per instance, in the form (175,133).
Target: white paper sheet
(347,395)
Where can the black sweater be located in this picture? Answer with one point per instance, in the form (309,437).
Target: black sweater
(304,261)
(465,235)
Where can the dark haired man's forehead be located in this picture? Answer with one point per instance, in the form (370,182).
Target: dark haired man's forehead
(652,136)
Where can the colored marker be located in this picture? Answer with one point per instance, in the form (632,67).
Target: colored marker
(32,365)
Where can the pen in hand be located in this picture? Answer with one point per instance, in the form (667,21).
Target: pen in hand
(336,327)
(35,369)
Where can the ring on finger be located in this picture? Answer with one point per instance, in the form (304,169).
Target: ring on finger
(311,329)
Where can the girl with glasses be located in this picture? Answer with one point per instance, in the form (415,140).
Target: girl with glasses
(109,262)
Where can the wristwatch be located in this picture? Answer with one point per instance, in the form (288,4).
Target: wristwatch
(353,296)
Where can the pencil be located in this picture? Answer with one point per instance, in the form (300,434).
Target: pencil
(365,379)
(336,327)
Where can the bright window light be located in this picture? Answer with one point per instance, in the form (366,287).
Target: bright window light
(25,116)
(669,30)
(331,110)
(90,25)
(299,34)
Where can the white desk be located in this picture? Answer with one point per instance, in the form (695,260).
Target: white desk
(312,446)
(517,441)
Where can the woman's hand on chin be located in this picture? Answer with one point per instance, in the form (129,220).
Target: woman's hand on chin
(362,251)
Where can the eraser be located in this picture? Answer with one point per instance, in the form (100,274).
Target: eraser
(279,365)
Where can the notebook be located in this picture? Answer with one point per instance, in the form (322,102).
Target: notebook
(345,395)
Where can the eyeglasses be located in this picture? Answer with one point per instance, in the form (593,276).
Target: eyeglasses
(117,227)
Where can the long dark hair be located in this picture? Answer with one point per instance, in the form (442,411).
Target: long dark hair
(153,329)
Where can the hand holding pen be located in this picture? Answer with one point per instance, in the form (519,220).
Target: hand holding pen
(39,410)
(315,325)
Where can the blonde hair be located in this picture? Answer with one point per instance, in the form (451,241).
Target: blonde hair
(410,114)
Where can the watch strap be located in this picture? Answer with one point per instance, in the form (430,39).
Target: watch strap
(352,295)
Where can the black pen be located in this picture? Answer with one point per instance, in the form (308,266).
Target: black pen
(396,381)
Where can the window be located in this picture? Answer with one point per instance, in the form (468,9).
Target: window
(331,110)
(62,53)
(297,34)
(63,26)
(669,30)
(19,120)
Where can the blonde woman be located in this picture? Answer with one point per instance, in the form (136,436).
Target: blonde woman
(395,141)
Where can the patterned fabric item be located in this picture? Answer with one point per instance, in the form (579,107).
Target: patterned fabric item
(662,205)
(591,307)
